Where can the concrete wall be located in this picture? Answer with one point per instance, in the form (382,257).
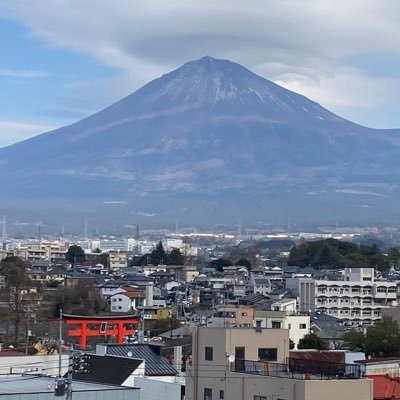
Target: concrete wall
(47,365)
(151,389)
(244,386)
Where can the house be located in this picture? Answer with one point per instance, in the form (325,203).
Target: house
(260,284)
(154,313)
(244,363)
(298,325)
(127,300)
(232,315)
(141,366)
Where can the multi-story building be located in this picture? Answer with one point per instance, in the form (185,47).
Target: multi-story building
(43,251)
(117,259)
(357,300)
(252,364)
(297,324)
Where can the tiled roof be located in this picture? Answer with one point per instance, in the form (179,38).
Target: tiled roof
(155,365)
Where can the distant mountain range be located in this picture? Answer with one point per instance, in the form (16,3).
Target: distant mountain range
(209,143)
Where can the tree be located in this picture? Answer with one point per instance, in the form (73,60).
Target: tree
(219,264)
(103,259)
(312,341)
(245,263)
(394,257)
(75,255)
(14,270)
(158,255)
(83,299)
(383,339)
(175,257)
(354,340)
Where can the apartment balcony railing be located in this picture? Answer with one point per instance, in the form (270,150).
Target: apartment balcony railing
(299,369)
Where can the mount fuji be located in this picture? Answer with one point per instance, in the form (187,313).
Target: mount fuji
(210,142)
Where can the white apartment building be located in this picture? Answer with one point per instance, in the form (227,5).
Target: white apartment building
(357,300)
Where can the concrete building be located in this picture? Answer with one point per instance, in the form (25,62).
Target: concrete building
(231,315)
(249,364)
(117,259)
(357,300)
(298,325)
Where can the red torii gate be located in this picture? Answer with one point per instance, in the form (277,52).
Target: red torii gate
(118,326)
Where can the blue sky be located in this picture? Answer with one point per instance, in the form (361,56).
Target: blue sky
(62,61)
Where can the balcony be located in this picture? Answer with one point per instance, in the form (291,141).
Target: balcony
(299,369)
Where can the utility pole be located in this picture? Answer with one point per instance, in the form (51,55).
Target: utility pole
(70,370)
(60,343)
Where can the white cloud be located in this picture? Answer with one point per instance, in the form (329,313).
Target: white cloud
(346,88)
(10,73)
(301,44)
(15,131)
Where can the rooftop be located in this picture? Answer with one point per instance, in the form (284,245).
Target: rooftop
(16,384)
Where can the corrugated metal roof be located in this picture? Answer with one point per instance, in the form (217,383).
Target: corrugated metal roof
(155,365)
(385,387)
(337,357)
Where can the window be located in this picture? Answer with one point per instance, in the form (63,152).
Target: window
(268,354)
(289,326)
(276,325)
(258,323)
(303,326)
(256,397)
(244,314)
(221,395)
(239,353)
(208,354)
(207,394)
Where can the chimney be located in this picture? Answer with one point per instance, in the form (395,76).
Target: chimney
(149,294)
(178,358)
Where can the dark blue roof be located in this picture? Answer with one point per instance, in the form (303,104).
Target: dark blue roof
(153,362)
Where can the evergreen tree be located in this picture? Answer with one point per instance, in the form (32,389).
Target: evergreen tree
(158,255)
(75,255)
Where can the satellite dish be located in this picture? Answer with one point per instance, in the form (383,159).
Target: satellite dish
(130,354)
(231,358)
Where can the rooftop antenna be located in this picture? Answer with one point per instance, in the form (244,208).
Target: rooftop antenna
(62,229)
(240,230)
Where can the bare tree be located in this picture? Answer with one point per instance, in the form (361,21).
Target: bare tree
(14,270)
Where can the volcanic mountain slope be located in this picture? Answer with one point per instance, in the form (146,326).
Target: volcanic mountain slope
(209,136)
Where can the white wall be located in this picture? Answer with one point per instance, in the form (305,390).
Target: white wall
(151,389)
(48,365)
